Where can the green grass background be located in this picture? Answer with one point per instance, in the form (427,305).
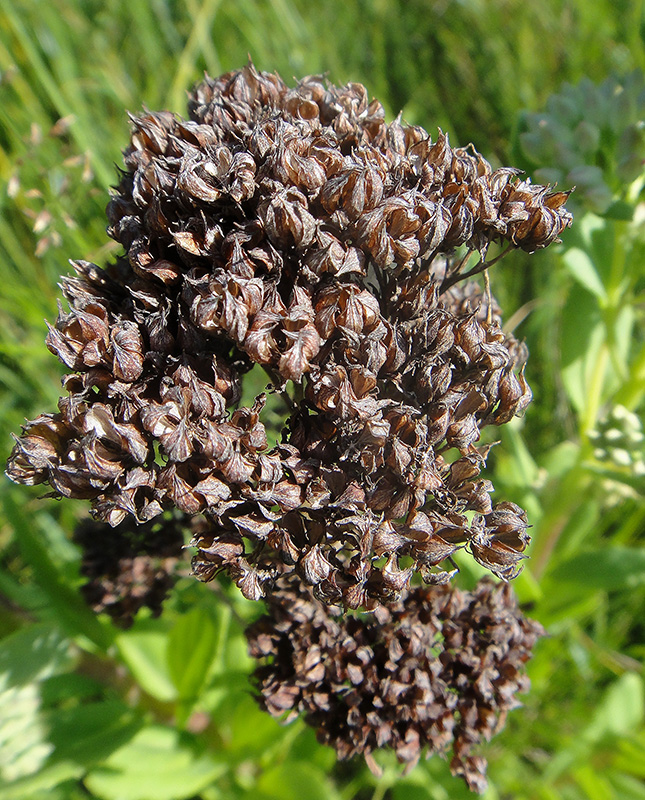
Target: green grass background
(163,710)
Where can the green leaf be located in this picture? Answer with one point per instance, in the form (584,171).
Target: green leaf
(33,653)
(191,647)
(578,373)
(45,780)
(67,603)
(89,733)
(560,459)
(249,730)
(631,756)
(593,785)
(406,791)
(294,781)
(145,654)
(609,569)
(627,787)
(582,337)
(70,686)
(620,210)
(156,765)
(23,736)
(518,468)
(582,268)
(624,334)
(620,710)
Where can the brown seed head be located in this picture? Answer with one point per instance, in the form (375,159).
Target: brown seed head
(437,671)
(296,230)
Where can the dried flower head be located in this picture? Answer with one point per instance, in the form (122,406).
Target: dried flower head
(129,567)
(296,230)
(439,670)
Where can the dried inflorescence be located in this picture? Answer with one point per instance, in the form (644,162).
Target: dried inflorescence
(131,566)
(296,230)
(437,671)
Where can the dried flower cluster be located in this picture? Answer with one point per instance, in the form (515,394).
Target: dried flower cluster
(441,669)
(295,229)
(131,566)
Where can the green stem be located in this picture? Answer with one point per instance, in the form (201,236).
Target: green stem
(566,499)
(198,41)
(631,394)
(381,788)
(595,391)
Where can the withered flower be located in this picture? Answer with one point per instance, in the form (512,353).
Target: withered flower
(131,566)
(296,230)
(436,671)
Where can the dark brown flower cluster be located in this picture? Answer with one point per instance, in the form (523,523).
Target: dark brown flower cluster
(129,567)
(296,230)
(437,671)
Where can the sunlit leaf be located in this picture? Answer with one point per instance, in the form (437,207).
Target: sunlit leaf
(32,654)
(191,648)
(583,270)
(295,780)
(145,653)
(156,765)
(621,709)
(610,568)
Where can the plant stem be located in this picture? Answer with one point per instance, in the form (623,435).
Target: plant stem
(480,266)
(568,496)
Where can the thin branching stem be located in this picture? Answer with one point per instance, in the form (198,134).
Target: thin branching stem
(480,266)
(277,384)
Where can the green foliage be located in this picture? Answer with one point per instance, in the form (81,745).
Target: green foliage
(591,137)
(164,710)
(157,762)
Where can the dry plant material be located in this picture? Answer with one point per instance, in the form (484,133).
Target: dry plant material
(437,671)
(296,230)
(129,567)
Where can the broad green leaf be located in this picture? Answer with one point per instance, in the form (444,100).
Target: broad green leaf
(191,647)
(582,268)
(64,601)
(33,653)
(619,713)
(519,467)
(145,653)
(609,569)
(44,781)
(560,459)
(246,728)
(587,227)
(621,709)
(582,336)
(223,694)
(631,756)
(594,786)
(157,764)
(68,686)
(620,210)
(608,244)
(23,736)
(295,781)
(560,610)
(407,791)
(90,732)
